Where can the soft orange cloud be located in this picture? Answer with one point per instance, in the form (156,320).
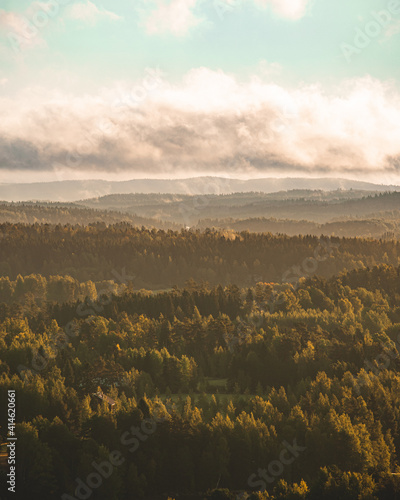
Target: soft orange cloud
(210,122)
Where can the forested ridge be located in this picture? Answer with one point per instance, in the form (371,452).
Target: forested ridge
(386,226)
(215,382)
(194,212)
(160,259)
(346,213)
(71,213)
(311,205)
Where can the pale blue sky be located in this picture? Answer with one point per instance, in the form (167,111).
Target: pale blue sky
(308,49)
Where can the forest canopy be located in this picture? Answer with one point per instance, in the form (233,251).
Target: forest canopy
(272,390)
(158,259)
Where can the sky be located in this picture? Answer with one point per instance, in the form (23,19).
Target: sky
(128,89)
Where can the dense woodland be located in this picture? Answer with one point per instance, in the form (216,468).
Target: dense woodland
(219,379)
(265,390)
(386,227)
(70,213)
(158,259)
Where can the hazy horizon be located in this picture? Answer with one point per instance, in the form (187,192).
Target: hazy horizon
(75,190)
(126,178)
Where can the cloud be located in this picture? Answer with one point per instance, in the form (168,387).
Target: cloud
(25,30)
(289,9)
(89,13)
(177,17)
(20,31)
(392,30)
(209,123)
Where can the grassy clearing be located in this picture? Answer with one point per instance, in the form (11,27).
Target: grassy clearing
(217,382)
(223,398)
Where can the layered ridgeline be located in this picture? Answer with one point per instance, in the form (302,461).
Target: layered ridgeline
(316,206)
(340,213)
(72,190)
(270,391)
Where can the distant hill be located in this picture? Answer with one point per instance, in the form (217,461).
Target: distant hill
(67,191)
(341,212)
(53,213)
(368,228)
(318,206)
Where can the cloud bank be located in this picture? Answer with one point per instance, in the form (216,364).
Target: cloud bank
(209,123)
